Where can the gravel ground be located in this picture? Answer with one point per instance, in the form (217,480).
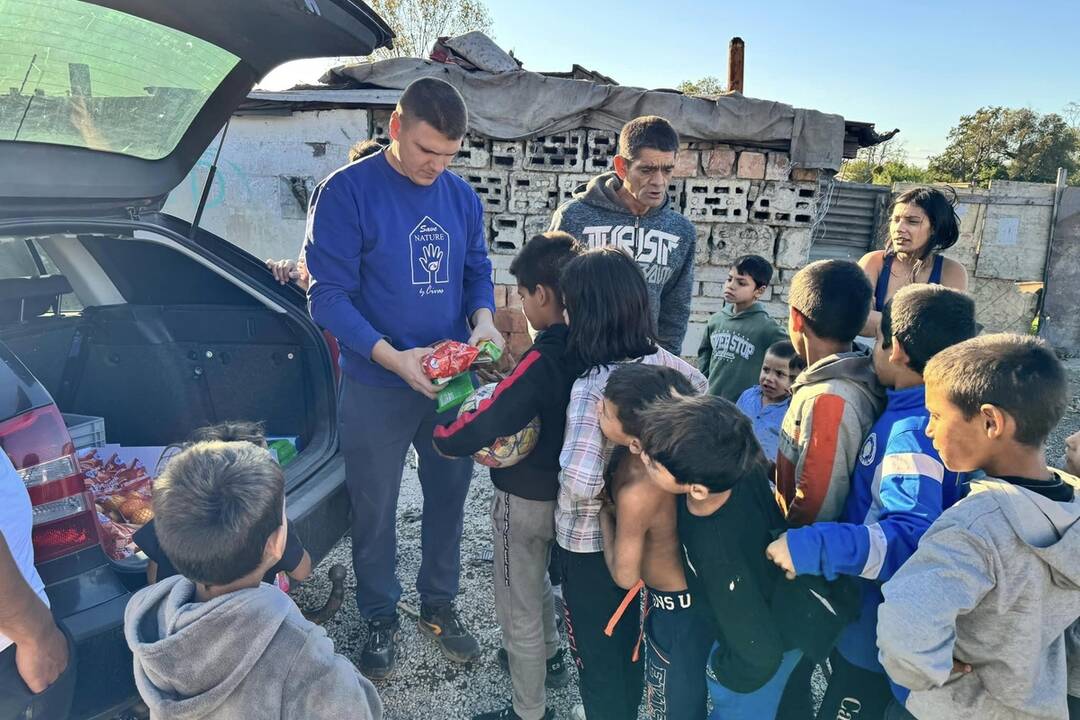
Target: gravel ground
(426,684)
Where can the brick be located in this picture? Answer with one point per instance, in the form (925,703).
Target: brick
(569,183)
(513,300)
(719,163)
(716,200)
(519,343)
(601,146)
(686,163)
(507,233)
(533,192)
(712,289)
(490,185)
(507,155)
(536,224)
(785,204)
(805,174)
(504,320)
(778,166)
(500,296)
(731,241)
(702,246)
(751,165)
(474,153)
(676,190)
(558,151)
(793,248)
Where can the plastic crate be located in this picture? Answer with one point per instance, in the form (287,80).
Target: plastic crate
(87,431)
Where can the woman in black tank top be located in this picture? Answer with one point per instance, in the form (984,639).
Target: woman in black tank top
(922,223)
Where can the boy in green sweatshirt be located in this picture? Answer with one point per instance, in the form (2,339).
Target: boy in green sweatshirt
(737,337)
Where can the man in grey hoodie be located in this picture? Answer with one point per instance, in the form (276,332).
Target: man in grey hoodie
(216,642)
(977,622)
(630,209)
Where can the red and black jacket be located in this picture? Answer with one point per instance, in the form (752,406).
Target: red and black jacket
(539,385)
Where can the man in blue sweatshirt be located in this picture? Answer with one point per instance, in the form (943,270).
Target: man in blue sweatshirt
(398,261)
(899,488)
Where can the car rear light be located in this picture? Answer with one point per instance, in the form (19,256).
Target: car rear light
(65,520)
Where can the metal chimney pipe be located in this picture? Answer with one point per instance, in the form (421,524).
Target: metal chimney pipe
(736,51)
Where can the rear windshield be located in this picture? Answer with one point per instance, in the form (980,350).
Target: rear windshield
(77,74)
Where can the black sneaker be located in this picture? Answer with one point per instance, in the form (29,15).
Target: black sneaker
(379,656)
(508,713)
(557,673)
(441,624)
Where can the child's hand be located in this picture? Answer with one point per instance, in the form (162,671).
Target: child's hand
(778,552)
(960,667)
(1072,454)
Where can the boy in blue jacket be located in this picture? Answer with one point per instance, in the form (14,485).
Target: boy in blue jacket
(898,489)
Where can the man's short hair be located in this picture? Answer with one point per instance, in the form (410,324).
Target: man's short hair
(834,297)
(784,350)
(215,506)
(756,267)
(633,386)
(541,260)
(647,132)
(436,102)
(926,319)
(703,440)
(363,149)
(1019,374)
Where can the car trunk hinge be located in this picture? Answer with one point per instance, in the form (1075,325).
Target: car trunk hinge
(209,182)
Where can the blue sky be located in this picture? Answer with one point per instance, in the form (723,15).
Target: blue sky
(917,66)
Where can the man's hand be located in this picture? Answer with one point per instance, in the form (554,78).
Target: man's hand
(779,553)
(284,271)
(484,329)
(41,659)
(1072,454)
(406,364)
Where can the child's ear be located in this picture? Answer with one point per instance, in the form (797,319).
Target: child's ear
(796,319)
(698,492)
(759,291)
(635,447)
(995,421)
(897,354)
(275,544)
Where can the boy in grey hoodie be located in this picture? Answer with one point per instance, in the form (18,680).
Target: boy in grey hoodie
(629,208)
(215,642)
(977,623)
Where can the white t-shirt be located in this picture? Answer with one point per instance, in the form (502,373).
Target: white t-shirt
(16,521)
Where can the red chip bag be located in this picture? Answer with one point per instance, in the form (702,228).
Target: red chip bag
(449,358)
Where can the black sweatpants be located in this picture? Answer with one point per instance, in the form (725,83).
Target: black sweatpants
(610,681)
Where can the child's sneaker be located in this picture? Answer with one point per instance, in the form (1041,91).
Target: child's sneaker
(508,713)
(442,624)
(557,674)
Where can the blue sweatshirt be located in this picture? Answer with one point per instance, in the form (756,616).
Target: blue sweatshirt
(766,418)
(393,260)
(899,488)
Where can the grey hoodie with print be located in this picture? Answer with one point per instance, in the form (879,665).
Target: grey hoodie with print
(662,242)
(995,584)
(247,654)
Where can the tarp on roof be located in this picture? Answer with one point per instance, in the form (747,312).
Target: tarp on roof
(521,104)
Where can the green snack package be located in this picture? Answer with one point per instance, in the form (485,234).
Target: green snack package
(455,392)
(490,350)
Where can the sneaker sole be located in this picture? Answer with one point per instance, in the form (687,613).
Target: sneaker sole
(425,629)
(379,676)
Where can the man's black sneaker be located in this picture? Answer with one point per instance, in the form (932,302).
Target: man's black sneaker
(379,656)
(441,623)
(557,673)
(508,713)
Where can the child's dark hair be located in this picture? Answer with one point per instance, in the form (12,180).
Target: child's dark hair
(944,225)
(634,385)
(784,350)
(647,132)
(215,506)
(703,440)
(228,431)
(834,298)
(1019,374)
(541,260)
(756,267)
(926,319)
(363,149)
(607,301)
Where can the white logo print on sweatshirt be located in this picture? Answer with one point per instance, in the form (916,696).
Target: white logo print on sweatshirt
(430,256)
(651,248)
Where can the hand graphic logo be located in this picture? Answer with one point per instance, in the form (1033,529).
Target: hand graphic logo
(430,260)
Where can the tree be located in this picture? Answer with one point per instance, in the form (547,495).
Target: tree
(418,23)
(882,164)
(1004,143)
(707,85)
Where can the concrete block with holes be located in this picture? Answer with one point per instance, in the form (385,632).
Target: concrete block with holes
(731,241)
(475,152)
(507,155)
(785,204)
(716,200)
(536,224)
(601,146)
(702,245)
(533,192)
(676,191)
(380,125)
(558,151)
(507,233)
(570,183)
(490,185)
(793,248)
